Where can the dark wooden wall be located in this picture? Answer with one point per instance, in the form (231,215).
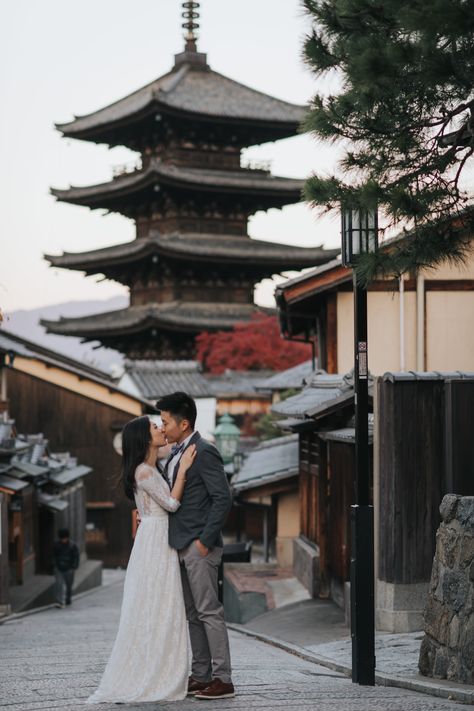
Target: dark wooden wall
(426,451)
(4,567)
(86,428)
(327,477)
(459,437)
(315,524)
(340,497)
(310,520)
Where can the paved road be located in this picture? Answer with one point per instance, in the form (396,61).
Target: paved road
(54,659)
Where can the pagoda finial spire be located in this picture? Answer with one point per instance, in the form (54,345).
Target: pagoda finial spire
(190,15)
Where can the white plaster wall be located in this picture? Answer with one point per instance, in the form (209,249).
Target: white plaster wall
(383,309)
(452,271)
(128,385)
(206,417)
(449,330)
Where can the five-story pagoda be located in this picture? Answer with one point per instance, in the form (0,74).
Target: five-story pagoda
(192,266)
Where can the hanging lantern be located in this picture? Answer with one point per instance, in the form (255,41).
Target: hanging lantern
(359,231)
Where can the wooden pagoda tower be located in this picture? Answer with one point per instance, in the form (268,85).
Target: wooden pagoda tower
(192,266)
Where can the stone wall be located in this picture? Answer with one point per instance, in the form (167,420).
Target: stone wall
(306,565)
(447,650)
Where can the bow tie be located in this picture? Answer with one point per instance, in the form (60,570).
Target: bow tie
(176,449)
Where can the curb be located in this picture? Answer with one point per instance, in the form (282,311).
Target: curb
(442,689)
(35,610)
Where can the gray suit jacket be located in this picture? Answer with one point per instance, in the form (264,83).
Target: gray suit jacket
(206,500)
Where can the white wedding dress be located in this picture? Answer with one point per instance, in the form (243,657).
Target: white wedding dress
(149,659)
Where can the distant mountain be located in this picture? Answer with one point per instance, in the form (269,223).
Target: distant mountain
(26,323)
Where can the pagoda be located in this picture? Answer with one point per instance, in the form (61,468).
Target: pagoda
(192,266)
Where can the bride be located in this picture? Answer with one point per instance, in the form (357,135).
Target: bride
(149,659)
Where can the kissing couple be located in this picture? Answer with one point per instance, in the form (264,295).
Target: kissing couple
(172,571)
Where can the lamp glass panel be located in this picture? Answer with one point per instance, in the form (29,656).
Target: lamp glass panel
(355,242)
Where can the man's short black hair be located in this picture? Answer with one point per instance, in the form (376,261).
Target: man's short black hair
(180,405)
(63,533)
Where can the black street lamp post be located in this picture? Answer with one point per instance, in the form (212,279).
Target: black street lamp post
(359,235)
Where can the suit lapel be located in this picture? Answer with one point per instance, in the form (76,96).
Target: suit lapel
(164,473)
(194,439)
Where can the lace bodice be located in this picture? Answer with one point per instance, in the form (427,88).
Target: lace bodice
(152,494)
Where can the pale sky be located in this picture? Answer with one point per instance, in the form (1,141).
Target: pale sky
(61,58)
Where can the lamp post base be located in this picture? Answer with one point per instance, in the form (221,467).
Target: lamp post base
(362,595)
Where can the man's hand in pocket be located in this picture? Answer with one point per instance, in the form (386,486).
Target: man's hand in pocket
(203,550)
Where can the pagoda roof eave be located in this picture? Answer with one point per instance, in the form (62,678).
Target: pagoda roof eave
(245,181)
(103,133)
(215,248)
(193,91)
(171,316)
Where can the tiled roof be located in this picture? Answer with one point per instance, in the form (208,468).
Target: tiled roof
(53,503)
(234,383)
(346,435)
(22,470)
(13,484)
(323,391)
(187,317)
(324,277)
(27,349)
(209,247)
(68,475)
(411,375)
(192,89)
(292,378)
(271,461)
(246,181)
(155,378)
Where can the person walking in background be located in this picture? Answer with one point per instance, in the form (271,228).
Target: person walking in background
(66,561)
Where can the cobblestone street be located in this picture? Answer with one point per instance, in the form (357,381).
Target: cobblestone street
(54,659)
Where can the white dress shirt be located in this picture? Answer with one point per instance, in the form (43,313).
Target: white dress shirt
(174,460)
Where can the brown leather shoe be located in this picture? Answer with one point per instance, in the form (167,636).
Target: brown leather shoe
(217,689)
(194,686)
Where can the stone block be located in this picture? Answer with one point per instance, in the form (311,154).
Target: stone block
(455,589)
(466,552)
(441,663)
(447,544)
(434,574)
(438,590)
(465,513)
(453,637)
(427,656)
(241,607)
(306,566)
(399,606)
(448,507)
(466,644)
(453,667)
(437,621)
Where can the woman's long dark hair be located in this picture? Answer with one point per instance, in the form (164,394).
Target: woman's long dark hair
(136,438)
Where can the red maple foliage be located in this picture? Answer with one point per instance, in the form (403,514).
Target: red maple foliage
(251,345)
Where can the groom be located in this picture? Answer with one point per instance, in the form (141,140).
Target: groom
(195,532)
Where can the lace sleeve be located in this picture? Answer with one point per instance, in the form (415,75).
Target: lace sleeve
(151,482)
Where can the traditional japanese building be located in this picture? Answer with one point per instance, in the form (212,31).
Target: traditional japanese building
(192,266)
